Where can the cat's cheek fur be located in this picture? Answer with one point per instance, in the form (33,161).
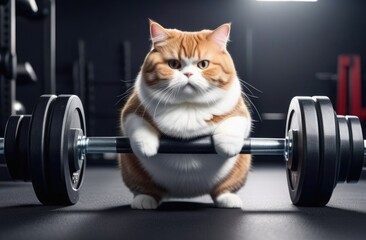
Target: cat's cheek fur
(144,139)
(229,135)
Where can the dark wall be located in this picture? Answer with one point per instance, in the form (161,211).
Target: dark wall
(277,47)
(292,42)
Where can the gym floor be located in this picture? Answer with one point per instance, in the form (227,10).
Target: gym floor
(103,212)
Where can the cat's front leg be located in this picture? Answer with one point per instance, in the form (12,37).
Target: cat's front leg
(144,138)
(229,135)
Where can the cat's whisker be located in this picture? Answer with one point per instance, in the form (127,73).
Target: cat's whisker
(246,88)
(174,91)
(255,108)
(243,84)
(248,84)
(248,95)
(165,92)
(198,86)
(124,95)
(164,98)
(168,97)
(146,106)
(127,80)
(203,92)
(202,89)
(159,91)
(175,96)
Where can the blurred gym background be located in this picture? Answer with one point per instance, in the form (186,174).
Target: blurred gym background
(95,48)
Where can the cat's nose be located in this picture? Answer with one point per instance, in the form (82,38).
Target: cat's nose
(188,74)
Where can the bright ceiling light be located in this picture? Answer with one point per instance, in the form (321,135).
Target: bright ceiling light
(287,0)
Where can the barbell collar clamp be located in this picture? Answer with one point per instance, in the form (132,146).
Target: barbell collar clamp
(75,135)
(291,150)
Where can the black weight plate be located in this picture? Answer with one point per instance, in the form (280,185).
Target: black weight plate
(357,148)
(23,142)
(38,137)
(16,146)
(303,181)
(328,146)
(344,153)
(68,113)
(11,151)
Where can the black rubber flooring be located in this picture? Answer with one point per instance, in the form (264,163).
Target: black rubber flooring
(103,212)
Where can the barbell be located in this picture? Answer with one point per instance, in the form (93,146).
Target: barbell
(49,148)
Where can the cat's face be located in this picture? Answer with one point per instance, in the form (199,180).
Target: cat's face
(188,67)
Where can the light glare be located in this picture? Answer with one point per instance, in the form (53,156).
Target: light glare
(287,0)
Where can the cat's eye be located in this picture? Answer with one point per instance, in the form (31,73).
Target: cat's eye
(175,64)
(203,64)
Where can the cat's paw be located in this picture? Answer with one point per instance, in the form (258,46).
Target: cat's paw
(228,145)
(229,136)
(145,145)
(144,139)
(228,200)
(143,201)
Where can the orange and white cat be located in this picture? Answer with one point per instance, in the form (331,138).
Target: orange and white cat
(187,87)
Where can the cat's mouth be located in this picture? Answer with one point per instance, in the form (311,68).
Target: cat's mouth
(189,89)
(190,85)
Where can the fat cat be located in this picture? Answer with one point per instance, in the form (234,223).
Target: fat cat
(187,87)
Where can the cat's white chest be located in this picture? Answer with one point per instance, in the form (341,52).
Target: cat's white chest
(184,121)
(188,175)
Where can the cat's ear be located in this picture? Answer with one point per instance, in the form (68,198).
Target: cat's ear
(158,34)
(220,36)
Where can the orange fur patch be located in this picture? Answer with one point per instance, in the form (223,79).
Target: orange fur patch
(136,178)
(236,178)
(134,105)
